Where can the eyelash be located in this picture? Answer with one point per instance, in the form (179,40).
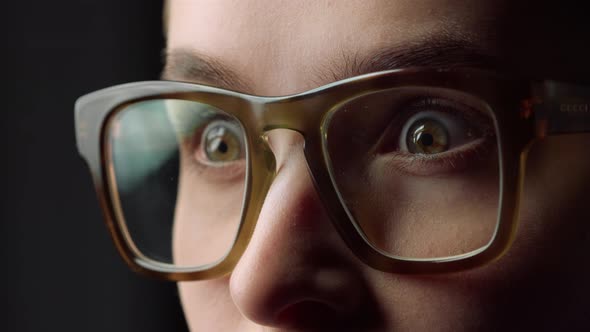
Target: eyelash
(455,159)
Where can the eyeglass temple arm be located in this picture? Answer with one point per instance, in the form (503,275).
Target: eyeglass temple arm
(559,108)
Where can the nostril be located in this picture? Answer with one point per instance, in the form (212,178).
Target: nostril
(307,314)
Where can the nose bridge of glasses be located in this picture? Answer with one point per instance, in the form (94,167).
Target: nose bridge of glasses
(299,114)
(280,115)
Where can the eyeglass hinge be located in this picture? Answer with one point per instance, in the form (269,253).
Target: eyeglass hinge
(558,108)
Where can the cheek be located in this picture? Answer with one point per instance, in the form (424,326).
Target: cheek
(204,230)
(428,216)
(539,284)
(435,217)
(207,216)
(555,211)
(433,303)
(208,306)
(543,278)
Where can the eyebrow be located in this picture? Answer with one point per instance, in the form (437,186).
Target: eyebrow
(433,52)
(190,65)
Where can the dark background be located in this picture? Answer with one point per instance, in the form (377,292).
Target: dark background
(59,269)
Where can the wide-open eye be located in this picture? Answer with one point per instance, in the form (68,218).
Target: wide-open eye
(221,143)
(427,136)
(432,135)
(435,126)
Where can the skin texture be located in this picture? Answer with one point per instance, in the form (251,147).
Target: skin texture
(297,273)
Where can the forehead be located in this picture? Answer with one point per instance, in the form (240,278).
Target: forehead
(282,47)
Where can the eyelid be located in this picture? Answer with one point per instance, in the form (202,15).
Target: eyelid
(467,113)
(230,173)
(444,163)
(409,107)
(387,149)
(449,115)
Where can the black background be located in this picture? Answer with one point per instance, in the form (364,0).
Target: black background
(60,271)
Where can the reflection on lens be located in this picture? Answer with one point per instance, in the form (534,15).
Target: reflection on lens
(417,169)
(178,176)
(222,143)
(427,137)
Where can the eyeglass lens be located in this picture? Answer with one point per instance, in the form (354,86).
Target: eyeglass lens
(180,170)
(417,170)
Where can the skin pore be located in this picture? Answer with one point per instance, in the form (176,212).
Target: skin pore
(297,273)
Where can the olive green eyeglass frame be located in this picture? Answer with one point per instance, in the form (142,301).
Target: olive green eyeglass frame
(524,111)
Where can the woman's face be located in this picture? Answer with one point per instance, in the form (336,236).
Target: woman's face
(297,273)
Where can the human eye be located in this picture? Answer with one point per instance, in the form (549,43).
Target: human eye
(216,150)
(438,134)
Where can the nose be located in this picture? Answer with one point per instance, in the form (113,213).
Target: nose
(296,271)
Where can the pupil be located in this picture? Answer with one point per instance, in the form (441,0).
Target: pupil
(222,147)
(426,139)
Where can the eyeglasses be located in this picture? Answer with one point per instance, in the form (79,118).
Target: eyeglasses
(420,170)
